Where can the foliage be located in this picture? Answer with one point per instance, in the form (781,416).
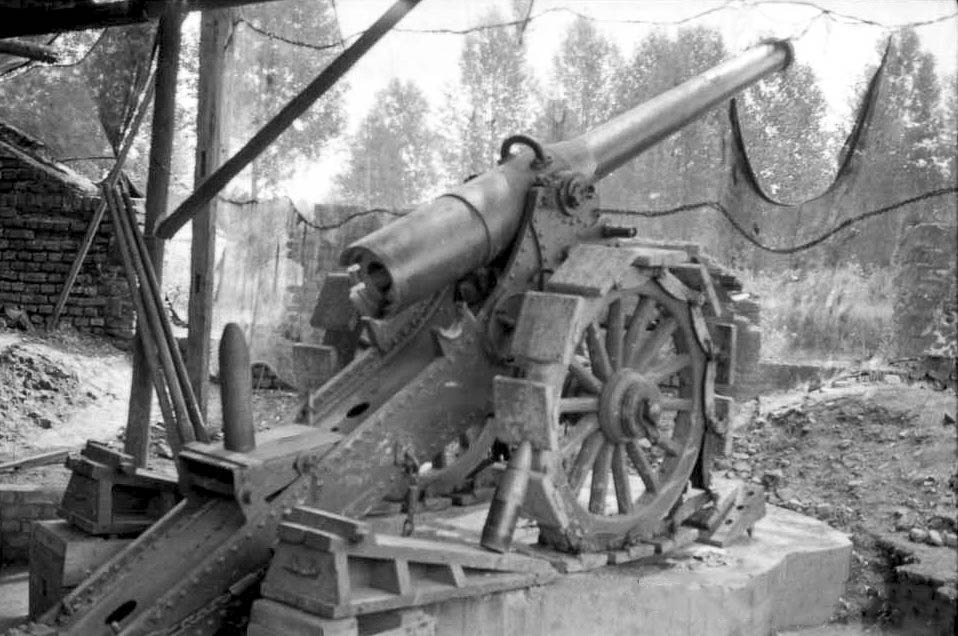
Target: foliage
(71,129)
(269,72)
(686,166)
(788,143)
(585,71)
(391,163)
(792,152)
(57,105)
(908,155)
(116,72)
(836,313)
(495,98)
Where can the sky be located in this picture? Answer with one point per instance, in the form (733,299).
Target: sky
(837,48)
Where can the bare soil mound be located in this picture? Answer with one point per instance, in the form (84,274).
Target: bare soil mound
(870,459)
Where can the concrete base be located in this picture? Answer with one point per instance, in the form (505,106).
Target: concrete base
(790,574)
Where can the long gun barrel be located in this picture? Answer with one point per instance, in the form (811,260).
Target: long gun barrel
(466,228)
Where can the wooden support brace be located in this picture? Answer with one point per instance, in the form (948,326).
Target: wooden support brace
(284,118)
(147,339)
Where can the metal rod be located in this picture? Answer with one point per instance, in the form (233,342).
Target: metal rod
(283,119)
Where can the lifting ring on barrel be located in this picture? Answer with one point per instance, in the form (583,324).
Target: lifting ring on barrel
(505,152)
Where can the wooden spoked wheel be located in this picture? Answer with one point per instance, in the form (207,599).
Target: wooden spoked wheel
(630,419)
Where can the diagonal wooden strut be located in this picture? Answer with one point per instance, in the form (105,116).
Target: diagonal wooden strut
(283,119)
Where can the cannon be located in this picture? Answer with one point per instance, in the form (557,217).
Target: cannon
(503,314)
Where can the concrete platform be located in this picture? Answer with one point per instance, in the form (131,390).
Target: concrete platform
(790,574)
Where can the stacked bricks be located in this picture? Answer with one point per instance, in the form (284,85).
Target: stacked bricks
(20,506)
(45,210)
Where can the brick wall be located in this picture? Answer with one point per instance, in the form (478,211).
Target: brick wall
(44,214)
(20,506)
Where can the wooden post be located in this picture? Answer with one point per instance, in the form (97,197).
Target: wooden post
(137,439)
(215,31)
(204,190)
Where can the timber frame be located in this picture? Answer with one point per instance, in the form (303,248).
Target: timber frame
(50,16)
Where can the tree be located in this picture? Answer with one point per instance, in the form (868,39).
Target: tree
(269,72)
(790,149)
(783,122)
(949,131)
(391,164)
(61,105)
(585,71)
(495,100)
(686,166)
(907,155)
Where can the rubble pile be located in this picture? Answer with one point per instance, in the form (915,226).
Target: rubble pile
(35,391)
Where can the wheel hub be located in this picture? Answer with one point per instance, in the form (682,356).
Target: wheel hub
(629,406)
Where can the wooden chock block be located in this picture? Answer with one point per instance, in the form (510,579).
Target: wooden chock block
(60,558)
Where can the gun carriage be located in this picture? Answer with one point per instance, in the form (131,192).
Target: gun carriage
(504,311)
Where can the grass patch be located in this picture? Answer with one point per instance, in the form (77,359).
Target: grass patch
(836,313)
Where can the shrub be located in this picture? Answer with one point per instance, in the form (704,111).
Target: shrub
(835,313)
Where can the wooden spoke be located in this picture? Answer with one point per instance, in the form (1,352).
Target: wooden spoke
(578,433)
(588,381)
(642,466)
(675,404)
(600,479)
(638,324)
(669,446)
(660,335)
(669,367)
(601,366)
(620,477)
(587,404)
(615,333)
(585,459)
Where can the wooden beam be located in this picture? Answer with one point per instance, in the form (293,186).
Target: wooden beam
(210,186)
(30,50)
(146,339)
(215,31)
(137,439)
(48,18)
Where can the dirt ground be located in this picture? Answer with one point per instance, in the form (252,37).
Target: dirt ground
(870,458)
(58,391)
